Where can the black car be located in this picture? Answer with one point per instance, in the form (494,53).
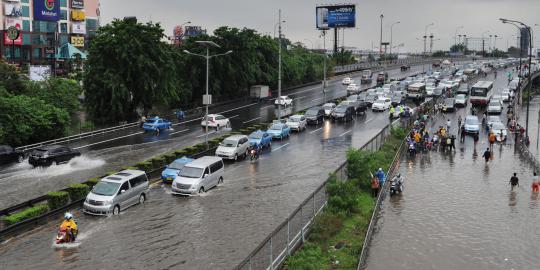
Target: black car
(343,112)
(47,155)
(9,155)
(362,106)
(314,115)
(449,105)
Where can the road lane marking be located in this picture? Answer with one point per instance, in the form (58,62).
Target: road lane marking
(209,133)
(345,133)
(369,120)
(299,98)
(179,131)
(316,130)
(234,116)
(254,119)
(275,149)
(84,146)
(317,99)
(267,106)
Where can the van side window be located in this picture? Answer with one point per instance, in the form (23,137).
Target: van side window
(216,166)
(206,171)
(137,180)
(125,186)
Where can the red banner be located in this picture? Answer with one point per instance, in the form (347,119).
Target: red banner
(9,42)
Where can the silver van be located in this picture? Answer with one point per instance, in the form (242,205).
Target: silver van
(199,176)
(117,192)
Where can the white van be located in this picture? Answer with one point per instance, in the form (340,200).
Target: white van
(199,176)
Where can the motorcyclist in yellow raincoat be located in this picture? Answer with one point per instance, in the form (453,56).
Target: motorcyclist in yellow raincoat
(70,226)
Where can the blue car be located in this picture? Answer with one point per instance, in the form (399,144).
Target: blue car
(172,170)
(279,131)
(261,138)
(156,123)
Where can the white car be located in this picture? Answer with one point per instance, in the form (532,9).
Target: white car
(381,104)
(347,81)
(461,100)
(430,90)
(283,100)
(233,147)
(353,89)
(216,121)
(297,122)
(328,109)
(494,107)
(493,119)
(499,129)
(471,124)
(505,95)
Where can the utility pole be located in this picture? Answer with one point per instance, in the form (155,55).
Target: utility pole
(430,44)
(380,43)
(324,66)
(279,68)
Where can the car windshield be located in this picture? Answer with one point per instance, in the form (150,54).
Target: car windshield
(256,135)
(313,112)
(191,172)
(294,119)
(105,188)
(471,121)
(151,121)
(229,143)
(494,103)
(380,101)
(177,165)
(275,127)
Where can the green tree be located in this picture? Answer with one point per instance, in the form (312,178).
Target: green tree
(128,67)
(26,120)
(60,92)
(10,78)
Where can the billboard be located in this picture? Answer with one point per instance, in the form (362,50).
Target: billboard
(78,4)
(13,9)
(78,28)
(193,31)
(77,41)
(338,16)
(13,22)
(78,15)
(39,73)
(47,10)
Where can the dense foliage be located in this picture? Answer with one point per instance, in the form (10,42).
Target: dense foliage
(34,111)
(159,74)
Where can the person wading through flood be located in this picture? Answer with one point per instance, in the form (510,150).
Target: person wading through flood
(514,181)
(535,184)
(487,155)
(492,139)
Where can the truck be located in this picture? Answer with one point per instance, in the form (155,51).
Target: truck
(259,92)
(367,76)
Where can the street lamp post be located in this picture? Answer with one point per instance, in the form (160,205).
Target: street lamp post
(324,65)
(391,36)
(380,40)
(207,99)
(455,34)
(425,37)
(529,30)
(484,43)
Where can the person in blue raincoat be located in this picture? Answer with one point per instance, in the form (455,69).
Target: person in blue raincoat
(381,175)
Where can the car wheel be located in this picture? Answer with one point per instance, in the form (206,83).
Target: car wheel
(116,210)
(235,157)
(228,125)
(56,162)
(217,127)
(142,198)
(201,190)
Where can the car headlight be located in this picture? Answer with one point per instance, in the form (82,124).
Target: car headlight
(107,202)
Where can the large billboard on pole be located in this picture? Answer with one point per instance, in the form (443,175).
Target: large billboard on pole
(338,16)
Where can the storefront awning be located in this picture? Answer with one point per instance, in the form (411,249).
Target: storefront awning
(68,51)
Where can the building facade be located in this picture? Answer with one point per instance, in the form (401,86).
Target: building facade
(45,26)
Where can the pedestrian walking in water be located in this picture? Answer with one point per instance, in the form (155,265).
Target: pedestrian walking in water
(459,121)
(374,186)
(462,135)
(492,139)
(453,142)
(487,155)
(535,184)
(514,181)
(475,138)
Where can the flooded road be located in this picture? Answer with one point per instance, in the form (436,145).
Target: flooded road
(458,212)
(21,182)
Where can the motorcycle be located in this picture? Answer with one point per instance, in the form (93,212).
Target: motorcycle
(253,154)
(396,185)
(64,236)
(412,150)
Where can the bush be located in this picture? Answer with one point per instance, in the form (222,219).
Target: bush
(310,257)
(190,150)
(28,213)
(342,197)
(180,153)
(326,226)
(78,191)
(129,168)
(201,147)
(145,166)
(157,163)
(111,172)
(57,199)
(169,158)
(92,182)
(243,131)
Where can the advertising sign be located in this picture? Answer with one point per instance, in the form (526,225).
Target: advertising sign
(77,41)
(338,16)
(39,73)
(79,4)
(77,15)
(12,9)
(78,28)
(47,10)
(17,23)
(193,31)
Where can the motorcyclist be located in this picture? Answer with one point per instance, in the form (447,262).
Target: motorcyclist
(257,147)
(70,226)
(398,180)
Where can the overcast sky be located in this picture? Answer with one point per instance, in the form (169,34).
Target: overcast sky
(476,17)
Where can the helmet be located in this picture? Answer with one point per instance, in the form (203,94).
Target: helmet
(68,216)
(380,169)
(398,175)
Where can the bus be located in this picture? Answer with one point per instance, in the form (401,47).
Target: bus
(481,93)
